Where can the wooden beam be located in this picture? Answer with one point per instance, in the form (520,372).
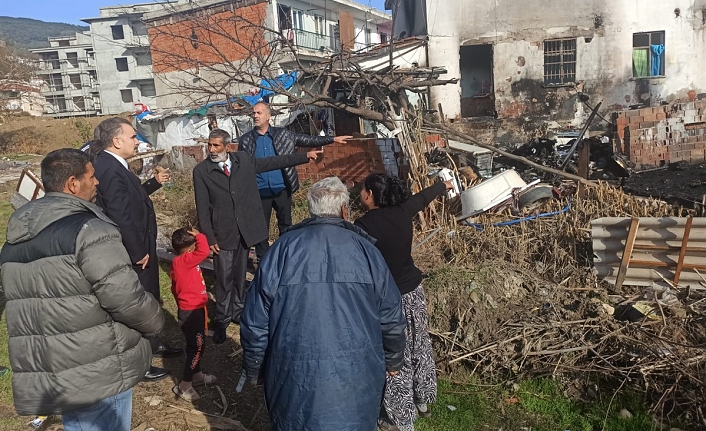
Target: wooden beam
(668,247)
(584,159)
(627,253)
(682,252)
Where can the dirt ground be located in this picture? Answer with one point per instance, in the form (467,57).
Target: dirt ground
(686,182)
(39,135)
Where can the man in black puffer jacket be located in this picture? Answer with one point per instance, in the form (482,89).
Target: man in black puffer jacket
(76,311)
(276,187)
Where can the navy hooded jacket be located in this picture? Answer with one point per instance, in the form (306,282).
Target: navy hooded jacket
(323,320)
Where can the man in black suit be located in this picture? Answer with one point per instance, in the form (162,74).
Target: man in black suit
(230,215)
(126,201)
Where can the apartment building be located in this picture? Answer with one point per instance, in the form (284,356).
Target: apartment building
(67,69)
(123,60)
(190,47)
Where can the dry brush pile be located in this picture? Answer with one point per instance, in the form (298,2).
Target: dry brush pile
(527,303)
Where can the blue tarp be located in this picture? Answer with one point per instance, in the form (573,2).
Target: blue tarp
(142,115)
(286,81)
(657,51)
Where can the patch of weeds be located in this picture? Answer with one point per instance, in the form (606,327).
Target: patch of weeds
(543,398)
(552,410)
(470,409)
(6,211)
(448,276)
(84,129)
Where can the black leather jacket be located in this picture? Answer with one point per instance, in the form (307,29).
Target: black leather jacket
(284,141)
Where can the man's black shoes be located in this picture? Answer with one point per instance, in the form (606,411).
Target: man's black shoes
(156,373)
(164,350)
(219,335)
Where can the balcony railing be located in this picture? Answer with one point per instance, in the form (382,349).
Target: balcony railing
(72,63)
(307,39)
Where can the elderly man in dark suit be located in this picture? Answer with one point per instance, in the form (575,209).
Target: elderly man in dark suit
(126,201)
(230,215)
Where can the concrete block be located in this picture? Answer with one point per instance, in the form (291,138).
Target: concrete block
(633,113)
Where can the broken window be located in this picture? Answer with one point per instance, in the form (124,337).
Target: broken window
(648,54)
(559,61)
(118,33)
(477,95)
(121,64)
(126,95)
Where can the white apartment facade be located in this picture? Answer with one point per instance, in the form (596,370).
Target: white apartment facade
(123,59)
(68,71)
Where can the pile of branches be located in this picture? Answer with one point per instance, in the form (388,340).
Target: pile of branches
(578,326)
(662,355)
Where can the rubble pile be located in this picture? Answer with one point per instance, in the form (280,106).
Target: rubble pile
(534,306)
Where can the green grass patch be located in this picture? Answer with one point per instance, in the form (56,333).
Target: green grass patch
(5,213)
(543,398)
(470,409)
(6,423)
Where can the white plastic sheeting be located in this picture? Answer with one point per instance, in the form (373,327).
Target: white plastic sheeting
(609,235)
(165,132)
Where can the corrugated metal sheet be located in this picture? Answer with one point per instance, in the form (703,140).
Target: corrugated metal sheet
(610,233)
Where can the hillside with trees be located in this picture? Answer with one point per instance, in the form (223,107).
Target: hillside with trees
(31,33)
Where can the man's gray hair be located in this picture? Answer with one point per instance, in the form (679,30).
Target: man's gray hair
(327,196)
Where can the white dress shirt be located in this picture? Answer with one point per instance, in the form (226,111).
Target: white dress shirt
(226,163)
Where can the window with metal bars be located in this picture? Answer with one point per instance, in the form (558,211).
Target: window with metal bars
(559,62)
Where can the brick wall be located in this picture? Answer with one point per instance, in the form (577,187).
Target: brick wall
(350,162)
(221,36)
(664,134)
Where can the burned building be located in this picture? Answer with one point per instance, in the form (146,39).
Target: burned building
(523,64)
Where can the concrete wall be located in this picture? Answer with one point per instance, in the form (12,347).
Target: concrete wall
(603,31)
(137,79)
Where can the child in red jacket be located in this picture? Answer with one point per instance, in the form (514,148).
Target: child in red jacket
(189,290)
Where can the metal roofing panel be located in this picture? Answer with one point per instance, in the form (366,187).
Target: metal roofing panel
(610,233)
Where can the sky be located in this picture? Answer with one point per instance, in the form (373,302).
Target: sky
(71,11)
